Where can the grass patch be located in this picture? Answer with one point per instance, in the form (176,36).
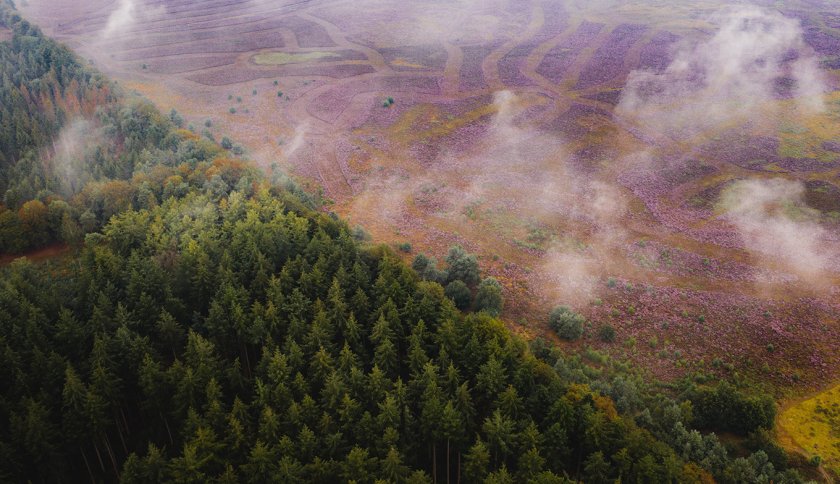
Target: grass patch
(471,211)
(280,58)
(539,237)
(814,425)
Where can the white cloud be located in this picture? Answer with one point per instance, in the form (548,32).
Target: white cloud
(773,221)
(120,18)
(729,76)
(126,15)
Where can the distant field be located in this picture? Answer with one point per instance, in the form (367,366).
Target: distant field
(279,58)
(505,135)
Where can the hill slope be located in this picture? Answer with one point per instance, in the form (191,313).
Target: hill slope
(213,326)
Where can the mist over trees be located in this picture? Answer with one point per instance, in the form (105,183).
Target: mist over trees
(74,150)
(215,325)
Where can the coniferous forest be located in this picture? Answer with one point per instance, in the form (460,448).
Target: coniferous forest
(213,323)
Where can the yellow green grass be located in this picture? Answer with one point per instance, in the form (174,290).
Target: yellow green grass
(280,58)
(402,62)
(804,137)
(814,426)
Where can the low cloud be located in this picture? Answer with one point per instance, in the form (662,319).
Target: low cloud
(572,277)
(421,23)
(126,15)
(70,149)
(298,140)
(121,18)
(516,172)
(774,222)
(731,76)
(553,189)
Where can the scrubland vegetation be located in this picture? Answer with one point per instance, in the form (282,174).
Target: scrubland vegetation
(624,292)
(214,323)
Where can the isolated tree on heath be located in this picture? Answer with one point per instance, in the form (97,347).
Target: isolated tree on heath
(462,266)
(566,323)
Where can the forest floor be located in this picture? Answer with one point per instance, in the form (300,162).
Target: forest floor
(45,253)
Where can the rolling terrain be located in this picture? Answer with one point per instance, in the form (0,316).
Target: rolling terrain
(544,136)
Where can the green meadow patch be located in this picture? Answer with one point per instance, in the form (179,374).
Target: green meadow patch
(281,58)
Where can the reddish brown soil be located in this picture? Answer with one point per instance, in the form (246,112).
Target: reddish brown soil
(37,255)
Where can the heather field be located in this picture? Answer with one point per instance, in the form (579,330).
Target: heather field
(669,172)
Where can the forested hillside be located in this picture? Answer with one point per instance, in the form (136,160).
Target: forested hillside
(75,150)
(216,326)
